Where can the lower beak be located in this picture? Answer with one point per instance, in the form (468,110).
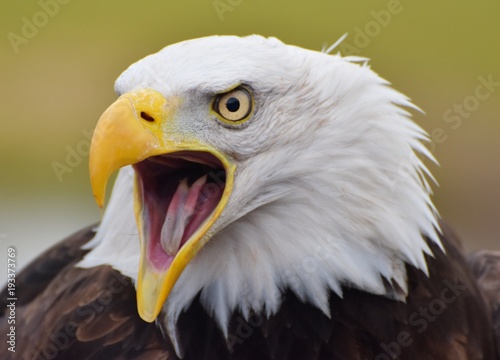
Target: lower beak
(140,125)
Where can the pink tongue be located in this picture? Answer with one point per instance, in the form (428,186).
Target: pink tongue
(179,213)
(188,208)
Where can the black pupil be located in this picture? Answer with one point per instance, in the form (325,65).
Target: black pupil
(233,104)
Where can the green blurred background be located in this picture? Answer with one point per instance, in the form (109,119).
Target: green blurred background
(57,78)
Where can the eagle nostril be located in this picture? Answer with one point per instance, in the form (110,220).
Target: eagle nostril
(147,117)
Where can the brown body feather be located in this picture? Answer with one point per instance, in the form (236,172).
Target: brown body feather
(65,312)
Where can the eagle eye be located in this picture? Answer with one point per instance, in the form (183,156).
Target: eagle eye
(233,106)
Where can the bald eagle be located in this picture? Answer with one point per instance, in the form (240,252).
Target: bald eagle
(272,202)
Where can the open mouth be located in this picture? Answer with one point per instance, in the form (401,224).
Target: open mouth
(178,193)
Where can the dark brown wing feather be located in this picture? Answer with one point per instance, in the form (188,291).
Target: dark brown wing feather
(486,268)
(41,271)
(73,313)
(64,312)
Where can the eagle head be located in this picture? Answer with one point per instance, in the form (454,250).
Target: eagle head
(250,167)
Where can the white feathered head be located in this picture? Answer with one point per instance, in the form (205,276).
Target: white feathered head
(258,167)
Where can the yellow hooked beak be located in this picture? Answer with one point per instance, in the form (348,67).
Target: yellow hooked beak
(139,125)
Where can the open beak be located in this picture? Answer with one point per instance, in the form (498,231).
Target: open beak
(181,187)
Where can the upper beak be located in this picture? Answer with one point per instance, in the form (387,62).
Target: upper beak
(137,126)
